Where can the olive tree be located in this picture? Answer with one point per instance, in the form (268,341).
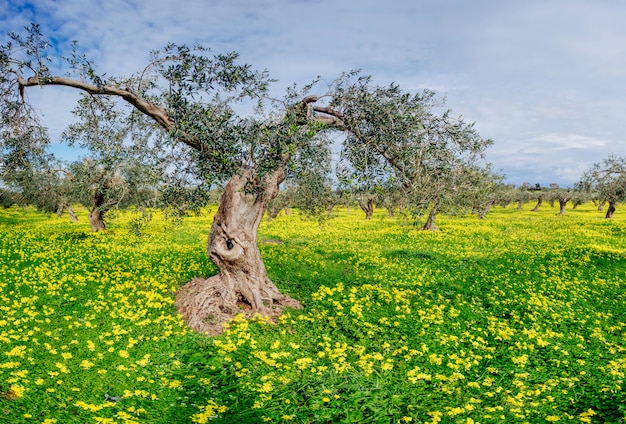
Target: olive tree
(121,160)
(607,179)
(192,96)
(24,161)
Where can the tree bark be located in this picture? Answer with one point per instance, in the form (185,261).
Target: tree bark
(484,211)
(368,207)
(520,203)
(562,203)
(96,216)
(538,205)
(430,221)
(70,211)
(242,285)
(611,210)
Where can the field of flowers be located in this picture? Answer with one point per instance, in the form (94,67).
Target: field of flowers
(517,318)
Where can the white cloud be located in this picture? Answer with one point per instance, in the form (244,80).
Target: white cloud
(571,141)
(544,80)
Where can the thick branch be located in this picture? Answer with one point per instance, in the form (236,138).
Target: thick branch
(146,107)
(331,117)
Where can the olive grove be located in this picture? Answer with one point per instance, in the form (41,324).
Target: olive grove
(191,94)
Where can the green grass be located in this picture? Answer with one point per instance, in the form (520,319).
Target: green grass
(517,318)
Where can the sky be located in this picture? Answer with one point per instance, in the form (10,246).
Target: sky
(544,79)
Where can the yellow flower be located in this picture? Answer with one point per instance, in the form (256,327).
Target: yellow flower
(16,391)
(210,411)
(174,384)
(85,364)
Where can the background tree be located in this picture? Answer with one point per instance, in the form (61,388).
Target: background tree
(427,150)
(562,196)
(480,188)
(507,194)
(608,180)
(524,194)
(365,174)
(121,160)
(536,192)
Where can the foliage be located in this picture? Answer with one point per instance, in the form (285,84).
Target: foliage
(391,137)
(607,181)
(518,318)
(401,141)
(124,161)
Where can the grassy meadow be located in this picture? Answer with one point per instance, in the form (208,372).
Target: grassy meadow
(517,318)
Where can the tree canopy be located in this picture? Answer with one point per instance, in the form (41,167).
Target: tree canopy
(606,181)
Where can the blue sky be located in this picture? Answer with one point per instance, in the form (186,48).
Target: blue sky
(545,79)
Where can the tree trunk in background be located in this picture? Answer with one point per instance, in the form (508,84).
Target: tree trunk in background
(611,210)
(601,206)
(484,211)
(430,221)
(519,204)
(70,211)
(96,216)
(242,284)
(367,205)
(562,203)
(538,205)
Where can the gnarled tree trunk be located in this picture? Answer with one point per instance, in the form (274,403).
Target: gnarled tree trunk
(562,204)
(242,284)
(538,205)
(611,210)
(367,205)
(430,221)
(482,213)
(96,216)
(70,211)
